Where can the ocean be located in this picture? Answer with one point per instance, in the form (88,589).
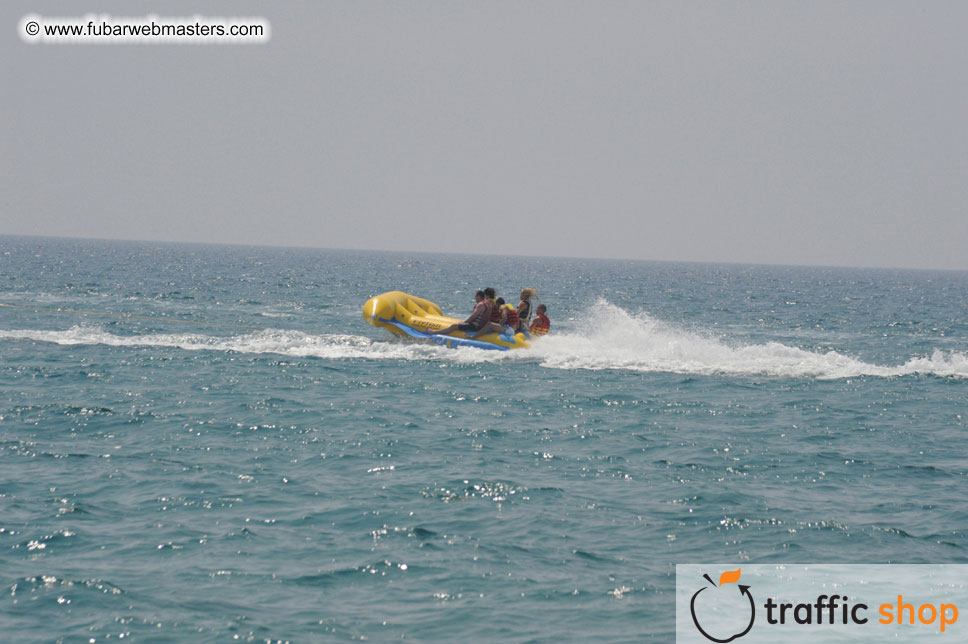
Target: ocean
(208,444)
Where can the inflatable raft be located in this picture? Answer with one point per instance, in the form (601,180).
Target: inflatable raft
(407,315)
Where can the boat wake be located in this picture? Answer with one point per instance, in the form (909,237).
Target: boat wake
(617,340)
(272,341)
(638,342)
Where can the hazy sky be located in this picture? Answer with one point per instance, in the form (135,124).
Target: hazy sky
(830,133)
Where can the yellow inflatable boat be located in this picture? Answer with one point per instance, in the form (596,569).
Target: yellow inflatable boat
(407,315)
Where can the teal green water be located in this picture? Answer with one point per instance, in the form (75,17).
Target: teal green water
(220,449)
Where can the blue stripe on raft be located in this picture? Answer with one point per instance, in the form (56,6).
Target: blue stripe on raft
(448,340)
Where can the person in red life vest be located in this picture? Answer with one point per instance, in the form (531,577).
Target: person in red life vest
(495,309)
(541,323)
(474,322)
(497,317)
(509,315)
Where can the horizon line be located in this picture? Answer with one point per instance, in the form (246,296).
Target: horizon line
(478,254)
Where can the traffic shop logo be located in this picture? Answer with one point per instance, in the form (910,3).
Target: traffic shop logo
(735,598)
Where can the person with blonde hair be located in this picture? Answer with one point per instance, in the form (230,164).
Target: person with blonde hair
(526,308)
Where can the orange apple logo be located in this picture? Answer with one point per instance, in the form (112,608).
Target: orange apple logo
(736,605)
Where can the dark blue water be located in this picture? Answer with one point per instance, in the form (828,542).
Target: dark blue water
(208,444)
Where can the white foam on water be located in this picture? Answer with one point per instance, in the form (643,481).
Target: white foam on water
(275,341)
(615,339)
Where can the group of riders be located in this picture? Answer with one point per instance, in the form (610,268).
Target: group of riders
(492,314)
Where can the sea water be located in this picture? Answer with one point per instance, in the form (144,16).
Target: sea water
(208,444)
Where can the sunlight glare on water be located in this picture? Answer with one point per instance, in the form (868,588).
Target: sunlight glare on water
(220,448)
